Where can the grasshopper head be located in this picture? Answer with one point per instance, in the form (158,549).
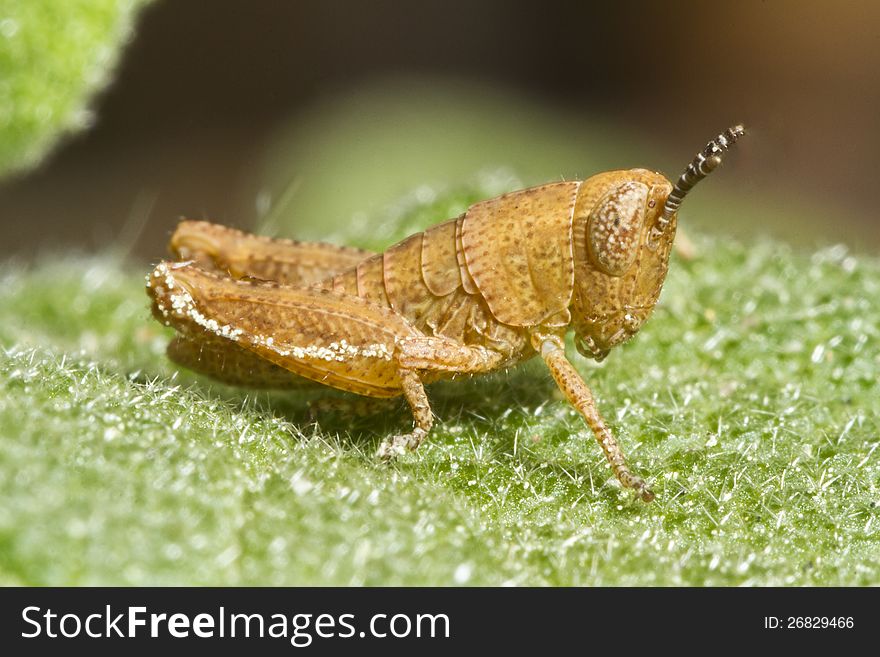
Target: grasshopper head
(624,227)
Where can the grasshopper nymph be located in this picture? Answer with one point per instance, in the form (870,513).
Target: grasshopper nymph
(498,285)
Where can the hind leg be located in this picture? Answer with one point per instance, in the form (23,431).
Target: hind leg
(242,255)
(231,364)
(330,338)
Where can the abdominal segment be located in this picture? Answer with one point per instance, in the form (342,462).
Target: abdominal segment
(424,280)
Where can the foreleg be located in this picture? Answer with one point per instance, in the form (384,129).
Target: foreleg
(572,385)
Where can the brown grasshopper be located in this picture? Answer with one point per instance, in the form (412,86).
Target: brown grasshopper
(500,284)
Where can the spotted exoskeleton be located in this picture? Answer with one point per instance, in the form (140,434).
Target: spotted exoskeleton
(505,281)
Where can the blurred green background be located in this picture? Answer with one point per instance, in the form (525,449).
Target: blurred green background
(324,112)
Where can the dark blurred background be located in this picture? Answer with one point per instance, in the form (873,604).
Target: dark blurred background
(216,102)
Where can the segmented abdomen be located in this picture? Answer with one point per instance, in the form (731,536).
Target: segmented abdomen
(425,279)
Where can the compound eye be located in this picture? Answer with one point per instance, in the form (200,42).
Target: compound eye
(616,226)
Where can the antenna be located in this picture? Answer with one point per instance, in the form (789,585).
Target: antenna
(702,165)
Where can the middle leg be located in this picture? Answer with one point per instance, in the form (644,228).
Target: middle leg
(428,354)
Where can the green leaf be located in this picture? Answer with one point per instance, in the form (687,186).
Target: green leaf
(749,398)
(54,56)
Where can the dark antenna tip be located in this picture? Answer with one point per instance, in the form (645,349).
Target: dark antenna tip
(704,163)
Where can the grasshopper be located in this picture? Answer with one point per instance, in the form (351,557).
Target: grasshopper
(500,284)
